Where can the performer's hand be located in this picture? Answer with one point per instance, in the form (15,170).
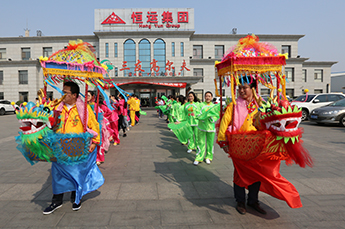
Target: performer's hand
(177,122)
(92,147)
(226,149)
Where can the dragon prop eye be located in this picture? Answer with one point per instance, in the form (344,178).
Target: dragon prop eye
(268,110)
(46,109)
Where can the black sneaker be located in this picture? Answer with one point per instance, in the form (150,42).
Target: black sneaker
(76,207)
(124,135)
(51,208)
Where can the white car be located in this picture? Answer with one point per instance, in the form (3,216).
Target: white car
(314,101)
(6,106)
(216,100)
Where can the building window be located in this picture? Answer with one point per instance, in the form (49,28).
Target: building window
(47,51)
(1,77)
(115,49)
(218,51)
(317,91)
(2,54)
(199,94)
(159,56)
(129,57)
(318,75)
(23,76)
(290,74)
(197,51)
(116,72)
(265,91)
(182,49)
(23,96)
(198,72)
(106,50)
(50,95)
(304,75)
(290,92)
(26,54)
(172,48)
(145,56)
(286,49)
(1,95)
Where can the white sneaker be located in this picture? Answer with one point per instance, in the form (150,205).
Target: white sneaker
(189,151)
(208,161)
(195,163)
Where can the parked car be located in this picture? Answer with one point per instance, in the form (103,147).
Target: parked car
(216,100)
(6,106)
(314,101)
(265,97)
(332,113)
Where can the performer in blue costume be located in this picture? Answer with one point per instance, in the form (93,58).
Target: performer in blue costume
(84,177)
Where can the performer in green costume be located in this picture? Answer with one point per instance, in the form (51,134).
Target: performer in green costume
(191,109)
(208,115)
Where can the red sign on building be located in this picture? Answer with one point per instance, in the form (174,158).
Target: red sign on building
(113,19)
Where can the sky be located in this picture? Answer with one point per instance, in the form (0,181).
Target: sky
(322,22)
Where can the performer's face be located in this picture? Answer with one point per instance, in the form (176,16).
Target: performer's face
(208,97)
(245,92)
(191,97)
(70,98)
(89,97)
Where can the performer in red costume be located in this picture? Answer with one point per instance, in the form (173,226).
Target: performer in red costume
(253,174)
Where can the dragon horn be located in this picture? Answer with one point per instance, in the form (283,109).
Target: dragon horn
(257,99)
(56,102)
(40,94)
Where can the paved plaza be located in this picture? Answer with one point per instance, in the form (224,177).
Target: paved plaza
(150,182)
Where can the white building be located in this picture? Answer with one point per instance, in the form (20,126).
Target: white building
(338,82)
(153,52)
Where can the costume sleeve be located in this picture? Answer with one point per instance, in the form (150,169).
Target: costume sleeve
(93,125)
(225,122)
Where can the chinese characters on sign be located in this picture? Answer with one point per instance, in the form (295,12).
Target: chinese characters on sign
(153,19)
(154,70)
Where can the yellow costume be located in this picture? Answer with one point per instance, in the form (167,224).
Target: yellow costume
(71,122)
(134,105)
(227,122)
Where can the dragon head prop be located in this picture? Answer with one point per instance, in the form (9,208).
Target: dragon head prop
(281,119)
(36,117)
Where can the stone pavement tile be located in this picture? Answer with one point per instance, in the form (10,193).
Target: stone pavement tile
(84,219)
(232,225)
(326,185)
(303,188)
(96,205)
(122,179)
(327,213)
(272,225)
(327,200)
(179,190)
(108,191)
(162,205)
(22,192)
(162,227)
(6,218)
(185,217)
(140,173)
(16,206)
(138,191)
(204,204)
(4,187)
(135,218)
(213,189)
(35,219)
(321,224)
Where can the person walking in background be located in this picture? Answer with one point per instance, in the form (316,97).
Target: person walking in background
(207,117)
